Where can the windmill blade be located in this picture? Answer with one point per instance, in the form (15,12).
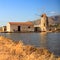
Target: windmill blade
(40,11)
(37,15)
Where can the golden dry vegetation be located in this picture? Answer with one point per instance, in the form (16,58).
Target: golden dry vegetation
(10,50)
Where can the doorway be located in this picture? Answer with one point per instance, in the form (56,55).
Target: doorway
(19,28)
(37,29)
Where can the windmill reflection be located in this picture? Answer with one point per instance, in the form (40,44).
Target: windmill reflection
(43,39)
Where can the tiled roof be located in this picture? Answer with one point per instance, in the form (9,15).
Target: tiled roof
(21,23)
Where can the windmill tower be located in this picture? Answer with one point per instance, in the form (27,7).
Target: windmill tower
(44,22)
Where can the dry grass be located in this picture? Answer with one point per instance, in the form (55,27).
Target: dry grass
(10,50)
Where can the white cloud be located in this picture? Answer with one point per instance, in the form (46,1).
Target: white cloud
(52,12)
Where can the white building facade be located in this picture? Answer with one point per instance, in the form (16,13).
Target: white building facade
(20,27)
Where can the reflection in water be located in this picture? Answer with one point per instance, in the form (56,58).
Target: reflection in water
(43,39)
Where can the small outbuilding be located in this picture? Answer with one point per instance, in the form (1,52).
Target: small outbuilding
(3,29)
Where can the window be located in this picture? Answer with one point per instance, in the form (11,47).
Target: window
(44,24)
(28,26)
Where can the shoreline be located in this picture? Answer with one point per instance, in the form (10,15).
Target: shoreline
(32,32)
(17,50)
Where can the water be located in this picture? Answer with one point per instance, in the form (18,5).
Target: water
(51,41)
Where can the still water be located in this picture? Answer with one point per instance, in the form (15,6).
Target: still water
(51,41)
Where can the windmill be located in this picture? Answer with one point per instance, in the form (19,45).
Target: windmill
(44,23)
(43,20)
(43,10)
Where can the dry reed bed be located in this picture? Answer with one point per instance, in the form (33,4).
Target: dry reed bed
(10,50)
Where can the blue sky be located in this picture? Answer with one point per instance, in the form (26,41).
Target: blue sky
(26,10)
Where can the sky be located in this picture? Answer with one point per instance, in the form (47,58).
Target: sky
(26,10)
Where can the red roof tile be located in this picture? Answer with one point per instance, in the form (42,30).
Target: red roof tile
(21,23)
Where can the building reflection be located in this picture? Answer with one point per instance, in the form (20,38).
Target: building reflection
(43,39)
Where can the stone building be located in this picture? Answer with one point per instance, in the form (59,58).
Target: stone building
(3,29)
(20,27)
(29,26)
(44,23)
